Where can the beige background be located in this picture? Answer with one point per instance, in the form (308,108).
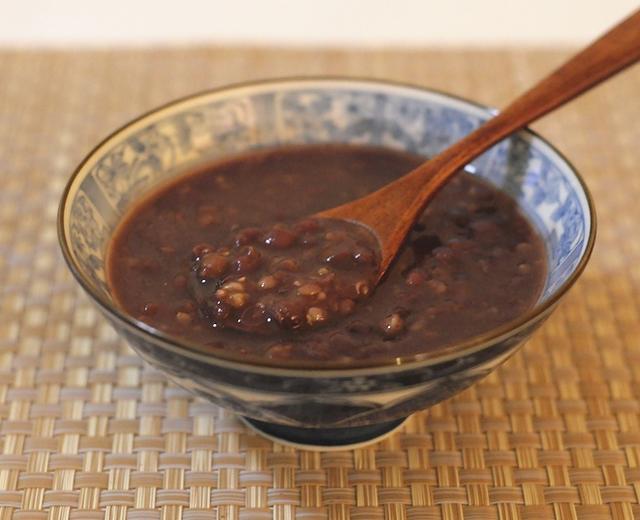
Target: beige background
(308,22)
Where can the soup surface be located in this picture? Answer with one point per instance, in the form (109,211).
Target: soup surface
(227,257)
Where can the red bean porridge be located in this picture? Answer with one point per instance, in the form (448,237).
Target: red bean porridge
(227,257)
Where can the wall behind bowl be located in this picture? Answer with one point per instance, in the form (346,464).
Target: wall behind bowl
(308,22)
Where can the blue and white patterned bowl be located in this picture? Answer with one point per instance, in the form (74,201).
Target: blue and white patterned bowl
(198,129)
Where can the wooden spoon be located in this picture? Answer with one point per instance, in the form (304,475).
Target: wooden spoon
(391,211)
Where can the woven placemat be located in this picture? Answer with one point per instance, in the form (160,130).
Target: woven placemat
(88,431)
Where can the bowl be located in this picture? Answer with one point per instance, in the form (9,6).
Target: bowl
(320,405)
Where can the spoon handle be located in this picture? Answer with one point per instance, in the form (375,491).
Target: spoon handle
(611,53)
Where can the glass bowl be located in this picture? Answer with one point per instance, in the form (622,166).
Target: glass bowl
(328,405)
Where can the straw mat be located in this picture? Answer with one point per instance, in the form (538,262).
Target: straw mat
(87,431)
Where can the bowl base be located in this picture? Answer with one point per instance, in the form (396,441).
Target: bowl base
(324,439)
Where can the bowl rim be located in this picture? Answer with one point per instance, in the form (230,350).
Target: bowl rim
(257,364)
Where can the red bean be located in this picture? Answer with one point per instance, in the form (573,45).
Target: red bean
(437,286)
(343,259)
(280,351)
(307,226)
(249,261)
(316,315)
(268,282)
(183,318)
(187,306)
(443,254)
(207,220)
(524,248)
(208,210)
(364,257)
(201,249)
(335,236)
(213,265)
(346,306)
(238,300)
(392,325)
(484,225)
(458,244)
(309,289)
(133,262)
(415,278)
(287,264)
(247,236)
(524,268)
(221,311)
(208,215)
(362,288)
(150,309)
(180,281)
(290,314)
(280,238)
